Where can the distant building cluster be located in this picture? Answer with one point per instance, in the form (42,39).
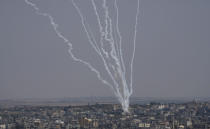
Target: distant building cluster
(192,115)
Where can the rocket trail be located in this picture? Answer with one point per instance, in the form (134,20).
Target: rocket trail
(134,47)
(120,37)
(106,31)
(60,35)
(112,56)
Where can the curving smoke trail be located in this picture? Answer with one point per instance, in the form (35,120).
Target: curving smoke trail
(60,35)
(112,56)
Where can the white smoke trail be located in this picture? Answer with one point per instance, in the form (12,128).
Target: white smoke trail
(120,37)
(92,44)
(117,92)
(59,34)
(117,67)
(112,59)
(134,48)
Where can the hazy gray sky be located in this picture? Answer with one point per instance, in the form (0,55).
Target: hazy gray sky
(172,52)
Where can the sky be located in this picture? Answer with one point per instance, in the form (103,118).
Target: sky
(172,49)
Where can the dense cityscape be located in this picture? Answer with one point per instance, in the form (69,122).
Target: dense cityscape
(190,115)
